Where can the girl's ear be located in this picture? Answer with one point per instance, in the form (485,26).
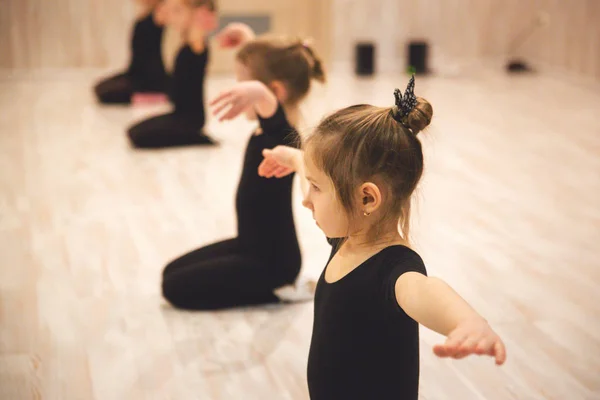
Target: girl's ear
(280,91)
(369,198)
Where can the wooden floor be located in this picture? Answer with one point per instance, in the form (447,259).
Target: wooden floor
(509,214)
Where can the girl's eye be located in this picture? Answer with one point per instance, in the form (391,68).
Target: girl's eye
(316,189)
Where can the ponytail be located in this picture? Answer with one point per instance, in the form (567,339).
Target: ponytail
(317,70)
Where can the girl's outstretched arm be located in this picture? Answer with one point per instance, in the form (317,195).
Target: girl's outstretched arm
(434,304)
(242,96)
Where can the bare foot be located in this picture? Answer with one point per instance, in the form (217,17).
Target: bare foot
(301,291)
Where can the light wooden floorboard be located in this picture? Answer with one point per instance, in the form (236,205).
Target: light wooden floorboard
(508,213)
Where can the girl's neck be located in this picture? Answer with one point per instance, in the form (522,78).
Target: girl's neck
(195,38)
(292,113)
(360,243)
(159,15)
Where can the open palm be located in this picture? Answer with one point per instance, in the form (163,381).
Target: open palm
(472,337)
(279,162)
(236,100)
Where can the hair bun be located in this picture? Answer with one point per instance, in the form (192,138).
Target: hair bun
(420,116)
(317,70)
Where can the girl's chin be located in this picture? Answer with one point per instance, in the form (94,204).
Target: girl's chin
(319,226)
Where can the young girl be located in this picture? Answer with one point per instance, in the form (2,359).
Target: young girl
(183,127)
(274,75)
(361,166)
(146,72)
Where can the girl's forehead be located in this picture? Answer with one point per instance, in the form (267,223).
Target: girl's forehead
(309,157)
(313,150)
(312,169)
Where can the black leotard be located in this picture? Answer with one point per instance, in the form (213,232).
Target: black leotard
(364,346)
(265,255)
(183,126)
(146,71)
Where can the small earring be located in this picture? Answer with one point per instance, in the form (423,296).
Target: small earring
(366,214)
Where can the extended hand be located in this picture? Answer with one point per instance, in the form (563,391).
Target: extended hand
(472,337)
(234,35)
(242,96)
(279,162)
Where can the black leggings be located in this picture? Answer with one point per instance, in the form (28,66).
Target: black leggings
(116,89)
(168,130)
(219,276)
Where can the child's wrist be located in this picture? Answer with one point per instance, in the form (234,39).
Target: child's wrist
(265,93)
(266,104)
(474,319)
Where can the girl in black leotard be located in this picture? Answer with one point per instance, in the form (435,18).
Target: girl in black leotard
(361,166)
(146,72)
(275,76)
(183,127)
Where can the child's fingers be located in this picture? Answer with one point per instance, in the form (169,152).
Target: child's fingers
(459,355)
(267,152)
(443,351)
(228,38)
(222,96)
(500,352)
(268,170)
(463,342)
(276,158)
(217,110)
(234,41)
(484,346)
(272,166)
(454,341)
(263,167)
(227,42)
(440,350)
(468,345)
(268,174)
(223,39)
(280,172)
(271,162)
(267,161)
(460,351)
(233,112)
(447,349)
(277,171)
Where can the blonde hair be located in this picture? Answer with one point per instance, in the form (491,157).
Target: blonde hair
(365,143)
(293,62)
